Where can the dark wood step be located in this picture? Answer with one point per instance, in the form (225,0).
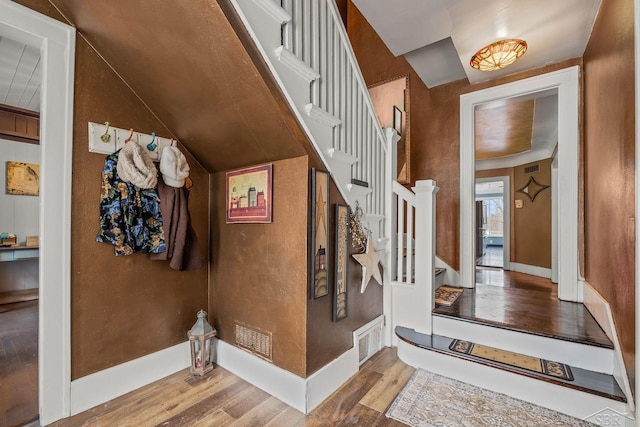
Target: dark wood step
(584,380)
(528,311)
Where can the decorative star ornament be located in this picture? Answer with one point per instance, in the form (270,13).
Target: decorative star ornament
(369,261)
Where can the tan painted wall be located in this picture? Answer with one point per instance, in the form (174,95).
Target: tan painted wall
(126,307)
(532,223)
(610,167)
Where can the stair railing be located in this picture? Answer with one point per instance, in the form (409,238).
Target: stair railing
(412,294)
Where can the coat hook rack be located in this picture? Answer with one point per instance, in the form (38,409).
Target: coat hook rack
(106,139)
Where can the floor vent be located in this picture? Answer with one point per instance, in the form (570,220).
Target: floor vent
(368,339)
(254,340)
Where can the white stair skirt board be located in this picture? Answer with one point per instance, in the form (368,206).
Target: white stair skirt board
(562,399)
(601,311)
(278,14)
(303,394)
(531,269)
(588,357)
(451,276)
(100,387)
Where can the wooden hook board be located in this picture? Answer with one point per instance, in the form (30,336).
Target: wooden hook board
(118,136)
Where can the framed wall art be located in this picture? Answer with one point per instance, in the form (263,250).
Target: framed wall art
(319,253)
(341,250)
(23,178)
(249,195)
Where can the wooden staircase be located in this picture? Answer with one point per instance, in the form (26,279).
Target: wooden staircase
(305,45)
(585,348)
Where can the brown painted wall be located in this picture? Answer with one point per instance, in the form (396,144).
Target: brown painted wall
(435,124)
(126,307)
(327,340)
(259,271)
(532,223)
(609,167)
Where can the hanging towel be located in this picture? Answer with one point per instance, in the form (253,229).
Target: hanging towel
(130,217)
(182,244)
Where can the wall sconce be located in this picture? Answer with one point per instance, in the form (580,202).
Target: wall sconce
(201,343)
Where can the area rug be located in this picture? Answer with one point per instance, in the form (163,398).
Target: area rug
(429,399)
(446,295)
(530,363)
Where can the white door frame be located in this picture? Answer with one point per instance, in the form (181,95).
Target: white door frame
(57,42)
(506,221)
(566,82)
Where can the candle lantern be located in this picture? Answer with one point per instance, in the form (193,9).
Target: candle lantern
(202,346)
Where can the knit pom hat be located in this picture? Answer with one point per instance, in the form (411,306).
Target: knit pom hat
(136,167)
(174,167)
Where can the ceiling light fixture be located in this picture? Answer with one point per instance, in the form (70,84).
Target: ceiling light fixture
(498,55)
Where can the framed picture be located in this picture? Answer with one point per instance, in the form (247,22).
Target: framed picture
(397,119)
(23,179)
(319,254)
(249,195)
(341,250)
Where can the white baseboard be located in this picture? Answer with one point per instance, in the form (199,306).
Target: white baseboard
(531,269)
(451,276)
(601,311)
(303,394)
(100,387)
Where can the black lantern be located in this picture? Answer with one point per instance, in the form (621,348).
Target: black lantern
(201,343)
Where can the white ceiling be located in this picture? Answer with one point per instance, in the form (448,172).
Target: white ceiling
(20,74)
(438,37)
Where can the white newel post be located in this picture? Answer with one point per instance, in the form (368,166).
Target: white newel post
(425,191)
(390,221)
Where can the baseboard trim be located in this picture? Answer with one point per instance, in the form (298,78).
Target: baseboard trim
(100,387)
(601,311)
(531,269)
(303,394)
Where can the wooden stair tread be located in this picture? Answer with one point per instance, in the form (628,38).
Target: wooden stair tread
(596,383)
(474,307)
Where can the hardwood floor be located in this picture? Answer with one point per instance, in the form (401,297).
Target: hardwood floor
(222,399)
(525,303)
(18,363)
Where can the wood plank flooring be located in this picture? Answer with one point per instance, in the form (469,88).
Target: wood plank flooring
(18,363)
(525,303)
(222,399)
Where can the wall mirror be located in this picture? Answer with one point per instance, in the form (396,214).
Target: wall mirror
(391,102)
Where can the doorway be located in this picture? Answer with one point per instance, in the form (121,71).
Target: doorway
(492,197)
(56,42)
(565,82)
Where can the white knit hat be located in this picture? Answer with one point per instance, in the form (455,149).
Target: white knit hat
(135,166)
(174,167)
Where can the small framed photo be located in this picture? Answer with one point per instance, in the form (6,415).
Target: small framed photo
(23,179)
(249,195)
(397,119)
(319,254)
(341,251)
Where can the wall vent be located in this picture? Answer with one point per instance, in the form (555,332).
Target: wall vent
(368,339)
(254,340)
(532,169)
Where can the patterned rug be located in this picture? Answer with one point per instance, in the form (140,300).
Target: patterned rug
(446,295)
(429,399)
(530,363)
